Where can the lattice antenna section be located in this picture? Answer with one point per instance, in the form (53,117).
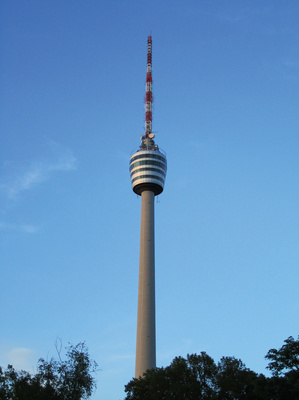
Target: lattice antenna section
(148,89)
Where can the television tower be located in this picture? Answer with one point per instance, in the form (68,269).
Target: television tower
(148,167)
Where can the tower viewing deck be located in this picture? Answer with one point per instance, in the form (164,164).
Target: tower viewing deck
(148,167)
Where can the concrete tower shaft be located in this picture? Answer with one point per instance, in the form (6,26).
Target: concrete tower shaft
(146,325)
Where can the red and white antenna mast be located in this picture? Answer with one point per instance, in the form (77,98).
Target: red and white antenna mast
(148,89)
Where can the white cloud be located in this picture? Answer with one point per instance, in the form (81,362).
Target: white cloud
(21,358)
(19,177)
(29,228)
(37,172)
(20,228)
(24,181)
(66,162)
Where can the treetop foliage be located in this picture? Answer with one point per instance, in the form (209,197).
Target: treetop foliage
(198,377)
(285,359)
(55,379)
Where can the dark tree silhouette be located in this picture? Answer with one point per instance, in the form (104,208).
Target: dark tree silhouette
(192,378)
(284,365)
(55,379)
(286,359)
(235,381)
(198,378)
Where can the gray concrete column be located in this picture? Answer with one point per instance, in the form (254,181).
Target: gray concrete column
(146,327)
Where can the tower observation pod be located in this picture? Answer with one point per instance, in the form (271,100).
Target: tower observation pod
(148,167)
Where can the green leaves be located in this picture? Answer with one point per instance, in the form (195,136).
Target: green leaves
(234,380)
(55,380)
(285,359)
(197,377)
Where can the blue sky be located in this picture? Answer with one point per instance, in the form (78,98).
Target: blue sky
(226,89)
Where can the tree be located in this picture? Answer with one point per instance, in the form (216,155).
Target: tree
(235,381)
(198,378)
(284,365)
(190,379)
(184,379)
(55,379)
(286,359)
